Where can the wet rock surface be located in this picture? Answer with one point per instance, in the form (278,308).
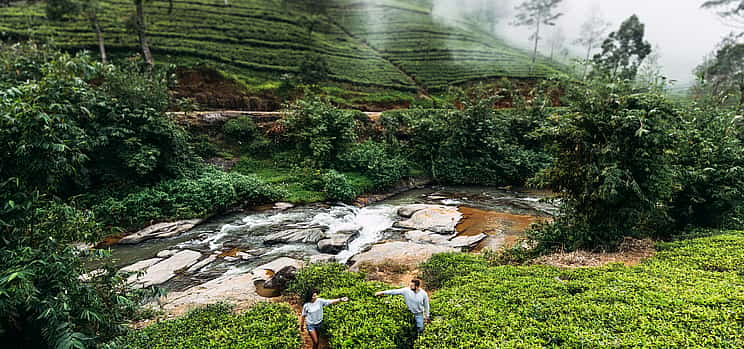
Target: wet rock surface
(398,252)
(164,270)
(160,231)
(435,218)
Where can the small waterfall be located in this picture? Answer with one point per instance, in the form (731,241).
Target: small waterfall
(373,220)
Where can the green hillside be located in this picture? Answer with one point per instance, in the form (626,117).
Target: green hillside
(393,44)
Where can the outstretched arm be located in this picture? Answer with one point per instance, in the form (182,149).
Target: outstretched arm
(338,300)
(390,292)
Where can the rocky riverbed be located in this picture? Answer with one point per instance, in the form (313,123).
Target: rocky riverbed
(233,257)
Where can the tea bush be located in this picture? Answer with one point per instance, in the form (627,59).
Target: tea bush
(690,295)
(264,326)
(443,267)
(365,321)
(243,131)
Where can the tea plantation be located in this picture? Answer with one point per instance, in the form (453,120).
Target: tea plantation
(690,295)
(394,45)
(265,326)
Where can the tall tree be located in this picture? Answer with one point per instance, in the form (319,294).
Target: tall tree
(535,13)
(592,32)
(141,28)
(724,73)
(91,9)
(623,51)
(731,10)
(556,40)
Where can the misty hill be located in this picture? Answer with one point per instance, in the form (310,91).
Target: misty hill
(384,44)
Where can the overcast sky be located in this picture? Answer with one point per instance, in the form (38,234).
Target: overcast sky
(683,31)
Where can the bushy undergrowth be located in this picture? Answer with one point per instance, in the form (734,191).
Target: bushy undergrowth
(689,295)
(181,198)
(376,161)
(264,326)
(365,322)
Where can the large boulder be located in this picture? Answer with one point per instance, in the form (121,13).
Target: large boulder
(266,271)
(281,278)
(308,236)
(164,270)
(408,210)
(454,241)
(336,242)
(238,289)
(436,218)
(398,252)
(160,231)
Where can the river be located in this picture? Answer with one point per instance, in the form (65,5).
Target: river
(499,213)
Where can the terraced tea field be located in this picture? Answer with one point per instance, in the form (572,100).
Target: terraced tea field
(391,45)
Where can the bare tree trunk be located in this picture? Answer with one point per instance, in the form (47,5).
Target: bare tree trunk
(227,3)
(99,36)
(141,31)
(537,40)
(586,62)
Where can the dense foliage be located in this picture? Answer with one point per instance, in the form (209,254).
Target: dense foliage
(318,130)
(263,326)
(472,145)
(173,199)
(366,321)
(70,124)
(689,295)
(611,154)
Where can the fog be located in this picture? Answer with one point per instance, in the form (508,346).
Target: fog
(683,32)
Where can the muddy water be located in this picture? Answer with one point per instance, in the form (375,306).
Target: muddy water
(502,214)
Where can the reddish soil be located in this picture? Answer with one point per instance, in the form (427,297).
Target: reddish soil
(213,91)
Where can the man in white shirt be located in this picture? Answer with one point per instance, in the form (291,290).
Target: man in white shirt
(416,300)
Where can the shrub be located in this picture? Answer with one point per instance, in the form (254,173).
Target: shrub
(185,198)
(366,321)
(443,267)
(318,130)
(338,187)
(375,161)
(244,131)
(709,168)
(613,306)
(264,326)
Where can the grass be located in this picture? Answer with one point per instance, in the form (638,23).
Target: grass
(377,49)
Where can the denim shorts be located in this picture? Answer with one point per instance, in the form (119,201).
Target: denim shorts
(313,327)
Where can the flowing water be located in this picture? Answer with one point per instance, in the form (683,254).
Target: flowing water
(247,231)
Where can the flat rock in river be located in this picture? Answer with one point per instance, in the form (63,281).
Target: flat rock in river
(458,242)
(164,270)
(238,289)
(308,236)
(436,218)
(144,264)
(335,243)
(160,231)
(398,252)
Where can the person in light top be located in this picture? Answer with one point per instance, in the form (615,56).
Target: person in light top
(416,299)
(312,313)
